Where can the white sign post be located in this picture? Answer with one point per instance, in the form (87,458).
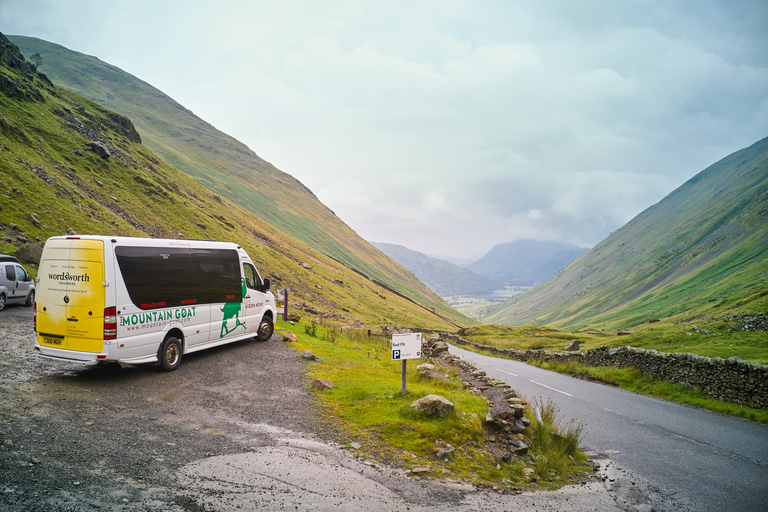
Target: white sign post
(406,346)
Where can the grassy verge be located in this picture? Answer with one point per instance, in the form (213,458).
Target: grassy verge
(706,337)
(633,380)
(368,413)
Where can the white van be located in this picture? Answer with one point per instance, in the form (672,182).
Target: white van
(104,299)
(16,285)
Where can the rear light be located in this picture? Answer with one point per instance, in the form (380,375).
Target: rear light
(110,323)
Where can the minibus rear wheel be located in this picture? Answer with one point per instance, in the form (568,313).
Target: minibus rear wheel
(170,354)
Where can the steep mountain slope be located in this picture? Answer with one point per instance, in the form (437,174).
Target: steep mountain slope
(703,249)
(442,277)
(222,164)
(67,163)
(526,262)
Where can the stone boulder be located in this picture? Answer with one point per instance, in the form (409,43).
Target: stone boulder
(435,375)
(100,149)
(439,348)
(322,384)
(433,405)
(428,371)
(572,346)
(30,253)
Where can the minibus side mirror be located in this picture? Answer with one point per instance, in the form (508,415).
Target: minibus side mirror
(265,286)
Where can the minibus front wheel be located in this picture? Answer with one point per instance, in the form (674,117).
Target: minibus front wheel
(170,354)
(266,328)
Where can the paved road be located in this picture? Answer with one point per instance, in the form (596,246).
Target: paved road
(686,458)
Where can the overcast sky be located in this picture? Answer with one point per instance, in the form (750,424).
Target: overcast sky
(451,126)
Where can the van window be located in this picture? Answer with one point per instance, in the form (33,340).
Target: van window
(21,274)
(10,272)
(161,277)
(251,276)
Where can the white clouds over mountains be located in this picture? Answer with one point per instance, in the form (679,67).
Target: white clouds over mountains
(451,126)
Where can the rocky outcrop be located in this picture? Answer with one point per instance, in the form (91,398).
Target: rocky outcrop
(28,88)
(757,322)
(505,421)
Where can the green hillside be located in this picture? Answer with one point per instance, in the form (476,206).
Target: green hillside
(702,250)
(224,165)
(69,164)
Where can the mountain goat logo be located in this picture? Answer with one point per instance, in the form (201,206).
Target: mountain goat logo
(231,310)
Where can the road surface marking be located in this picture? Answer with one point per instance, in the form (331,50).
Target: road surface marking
(553,389)
(502,371)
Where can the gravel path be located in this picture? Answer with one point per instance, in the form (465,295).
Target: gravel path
(231,429)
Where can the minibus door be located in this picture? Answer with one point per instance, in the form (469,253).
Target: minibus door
(253,301)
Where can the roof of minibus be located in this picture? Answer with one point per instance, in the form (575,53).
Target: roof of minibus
(153,242)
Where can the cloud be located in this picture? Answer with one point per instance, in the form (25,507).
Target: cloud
(450,127)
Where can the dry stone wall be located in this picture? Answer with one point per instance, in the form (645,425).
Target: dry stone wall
(731,380)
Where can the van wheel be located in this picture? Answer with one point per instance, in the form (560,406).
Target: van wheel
(2,300)
(170,354)
(266,328)
(30,298)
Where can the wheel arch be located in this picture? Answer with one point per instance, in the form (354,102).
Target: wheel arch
(177,333)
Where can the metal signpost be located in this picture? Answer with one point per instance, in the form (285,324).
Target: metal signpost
(406,346)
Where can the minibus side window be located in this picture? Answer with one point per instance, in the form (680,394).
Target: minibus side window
(157,277)
(10,272)
(217,276)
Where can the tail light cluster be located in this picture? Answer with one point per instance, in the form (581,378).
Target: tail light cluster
(110,323)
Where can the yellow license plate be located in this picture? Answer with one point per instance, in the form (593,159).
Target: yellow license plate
(52,341)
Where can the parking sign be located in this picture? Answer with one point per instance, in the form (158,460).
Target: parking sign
(406,346)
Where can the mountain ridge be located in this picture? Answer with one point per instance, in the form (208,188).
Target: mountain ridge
(525,262)
(224,165)
(71,165)
(442,277)
(702,249)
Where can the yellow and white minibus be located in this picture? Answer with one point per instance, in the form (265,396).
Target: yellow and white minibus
(104,299)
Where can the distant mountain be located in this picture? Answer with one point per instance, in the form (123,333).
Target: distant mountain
(227,167)
(443,277)
(702,250)
(525,262)
(461,262)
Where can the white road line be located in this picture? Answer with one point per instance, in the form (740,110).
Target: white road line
(553,389)
(502,371)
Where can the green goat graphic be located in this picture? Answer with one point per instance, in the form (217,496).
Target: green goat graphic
(232,310)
